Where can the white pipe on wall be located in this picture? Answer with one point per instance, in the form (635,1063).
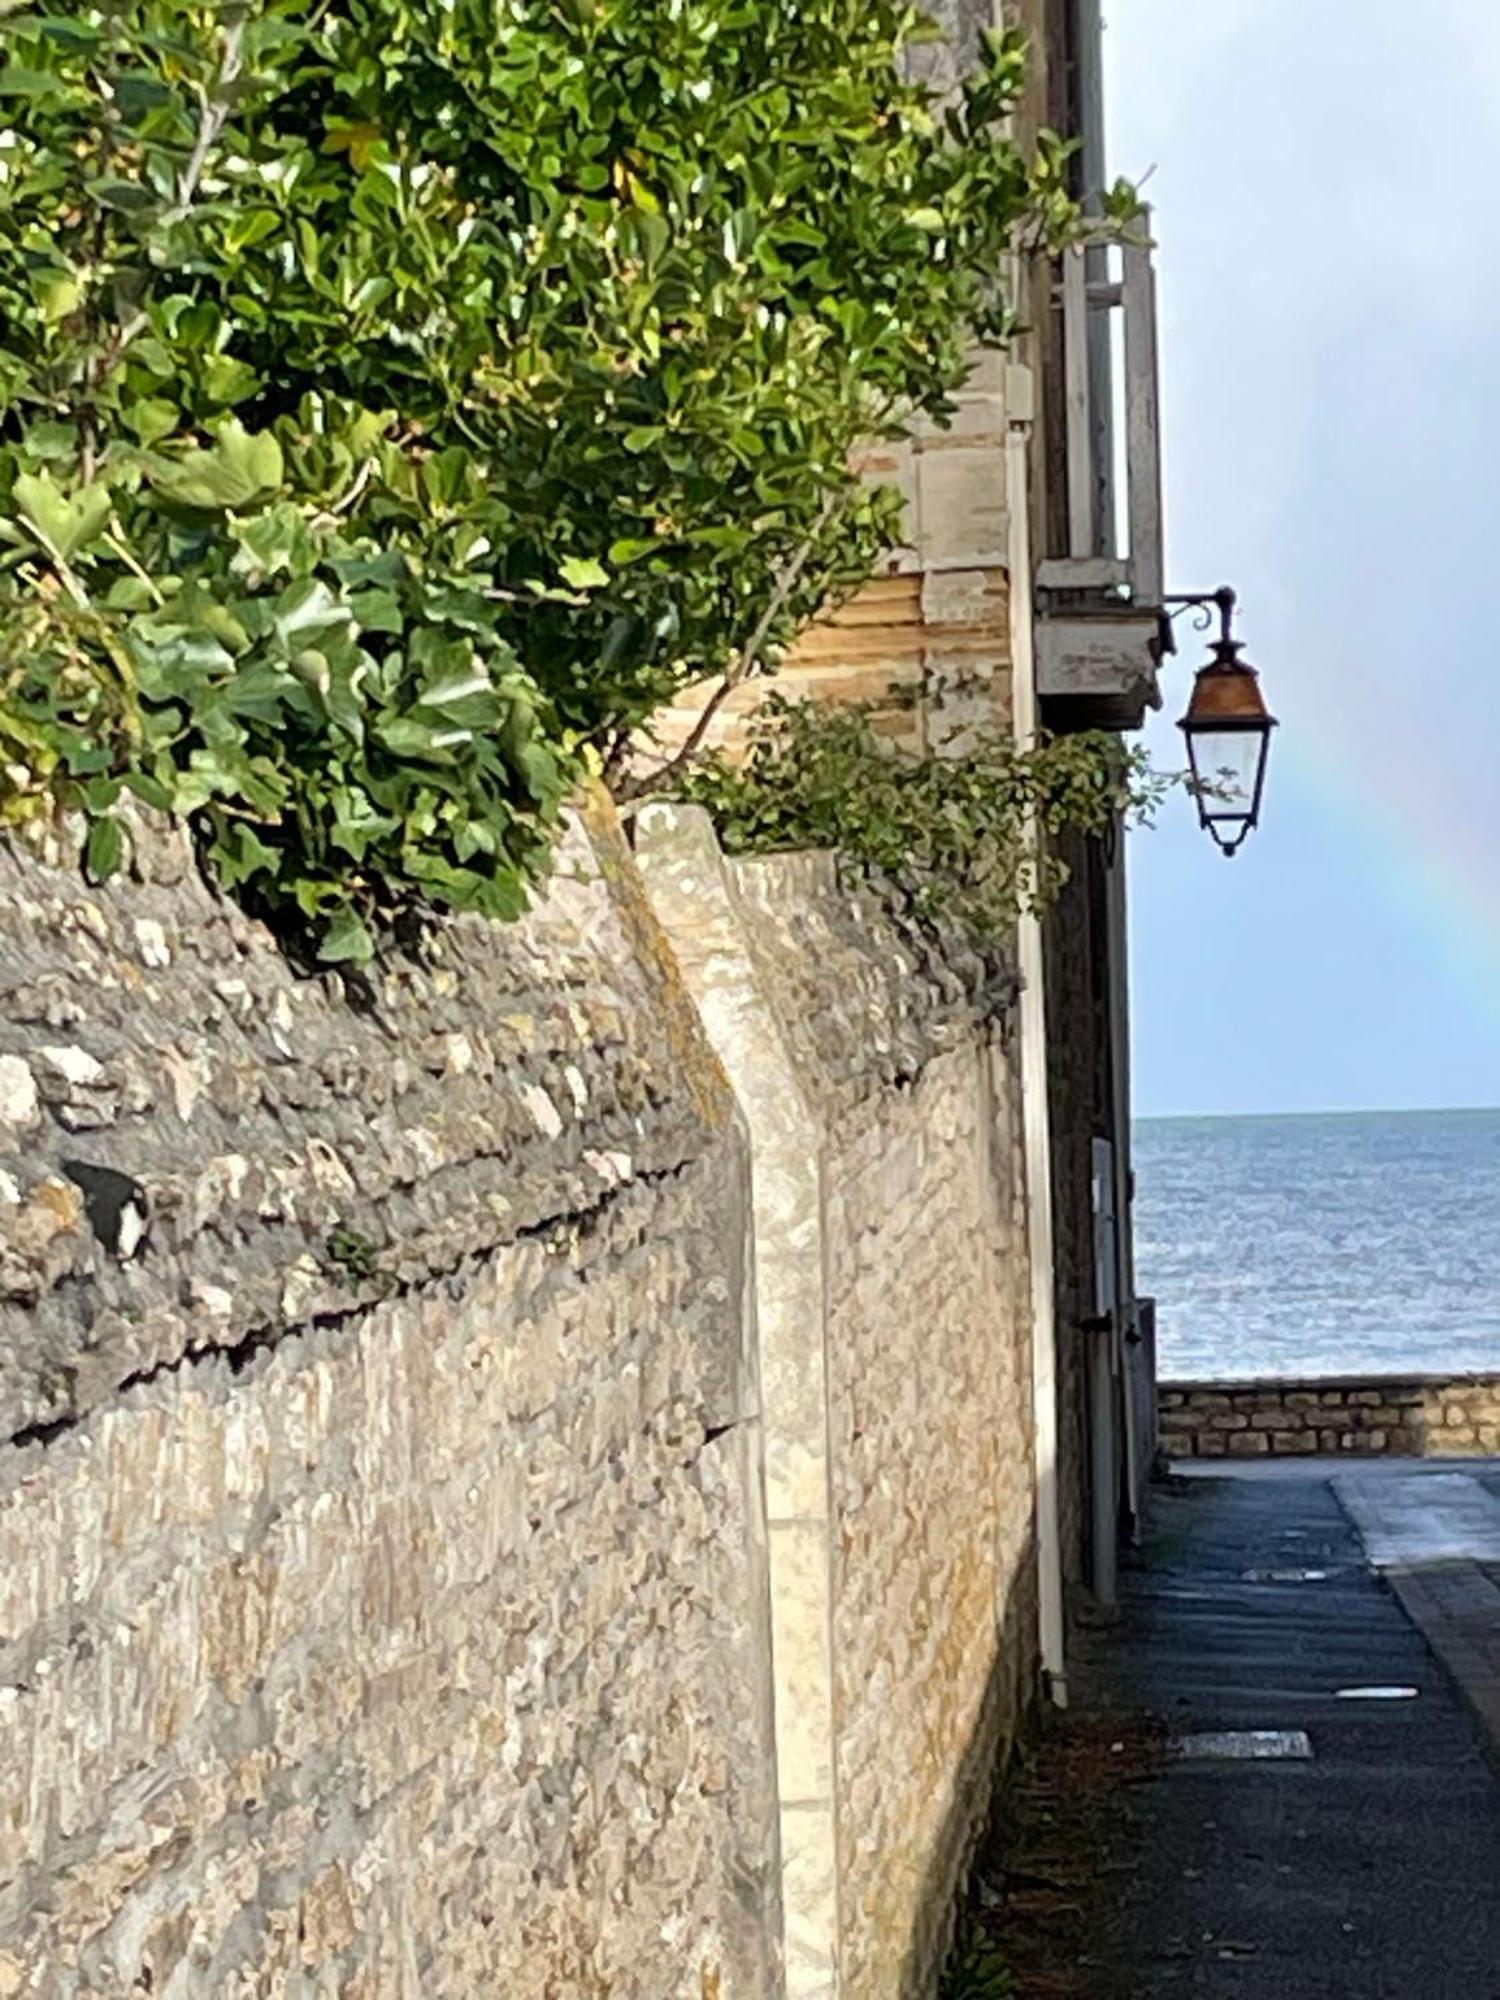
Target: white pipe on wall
(1036,1118)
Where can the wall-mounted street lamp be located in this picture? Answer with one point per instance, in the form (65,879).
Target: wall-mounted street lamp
(1227,727)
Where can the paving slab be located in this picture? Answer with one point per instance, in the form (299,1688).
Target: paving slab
(1436,1541)
(1367,1870)
(1413,1520)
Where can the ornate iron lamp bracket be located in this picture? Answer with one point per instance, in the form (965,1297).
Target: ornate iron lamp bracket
(1203,604)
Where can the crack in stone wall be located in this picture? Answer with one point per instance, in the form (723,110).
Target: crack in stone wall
(149,1029)
(237,1354)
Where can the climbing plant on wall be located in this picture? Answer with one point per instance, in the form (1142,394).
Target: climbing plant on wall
(401,398)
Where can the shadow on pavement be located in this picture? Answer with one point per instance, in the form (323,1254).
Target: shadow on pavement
(1368,1869)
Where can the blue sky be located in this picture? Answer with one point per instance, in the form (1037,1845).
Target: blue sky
(1325,184)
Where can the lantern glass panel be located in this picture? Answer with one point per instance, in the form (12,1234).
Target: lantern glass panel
(1226,764)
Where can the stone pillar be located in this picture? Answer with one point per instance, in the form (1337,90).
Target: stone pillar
(679,856)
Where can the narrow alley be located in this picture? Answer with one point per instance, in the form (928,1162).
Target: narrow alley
(691,1306)
(1300,1795)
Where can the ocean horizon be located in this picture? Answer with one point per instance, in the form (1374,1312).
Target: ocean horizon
(1306,1243)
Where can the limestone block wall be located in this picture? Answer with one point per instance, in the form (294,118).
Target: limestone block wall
(1398,1416)
(382,1569)
(895,1363)
(928,655)
(927,645)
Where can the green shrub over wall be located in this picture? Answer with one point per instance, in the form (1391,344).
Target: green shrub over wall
(963,834)
(402,398)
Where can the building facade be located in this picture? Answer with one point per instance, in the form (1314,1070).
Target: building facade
(1030,594)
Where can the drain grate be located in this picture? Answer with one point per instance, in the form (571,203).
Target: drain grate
(1243,1746)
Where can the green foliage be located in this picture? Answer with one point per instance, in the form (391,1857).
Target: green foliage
(977,1968)
(743,247)
(350,1255)
(948,829)
(400,396)
(336,718)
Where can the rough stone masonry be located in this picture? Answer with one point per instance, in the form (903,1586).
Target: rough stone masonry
(395,1376)
(878,1081)
(382,1590)
(1394,1416)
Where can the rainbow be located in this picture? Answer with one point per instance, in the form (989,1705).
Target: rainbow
(1428,850)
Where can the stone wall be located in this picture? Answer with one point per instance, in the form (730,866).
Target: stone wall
(382,1576)
(926,647)
(1410,1416)
(462,1530)
(896,1368)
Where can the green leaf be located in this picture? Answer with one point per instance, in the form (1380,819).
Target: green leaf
(240,856)
(18,82)
(252,226)
(307,611)
(153,418)
(275,541)
(59,296)
(404,736)
(347,940)
(105,851)
(583,573)
(377,611)
(794,229)
(52,442)
(150,791)
(127,196)
(228,380)
(63,523)
(221,622)
(239,468)
(58,28)
(631,548)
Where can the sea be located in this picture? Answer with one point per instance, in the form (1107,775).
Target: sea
(1324,1244)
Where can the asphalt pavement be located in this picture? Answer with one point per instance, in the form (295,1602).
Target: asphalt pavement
(1323,1821)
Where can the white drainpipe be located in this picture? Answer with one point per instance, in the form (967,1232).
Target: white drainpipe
(1037,1136)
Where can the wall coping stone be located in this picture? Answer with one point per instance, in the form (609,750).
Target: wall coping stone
(1280,1384)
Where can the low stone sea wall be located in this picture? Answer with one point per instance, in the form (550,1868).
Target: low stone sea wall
(1393,1416)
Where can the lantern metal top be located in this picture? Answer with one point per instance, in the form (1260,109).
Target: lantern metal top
(1226,694)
